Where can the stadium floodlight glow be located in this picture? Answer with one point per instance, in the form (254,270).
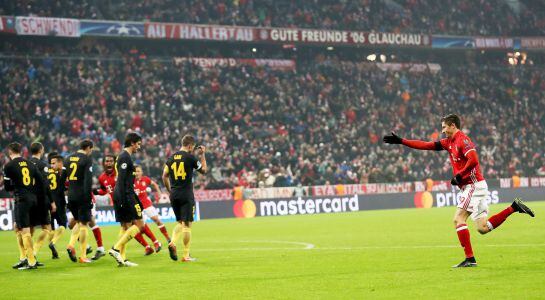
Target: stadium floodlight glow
(254,50)
(383,58)
(371,57)
(329,48)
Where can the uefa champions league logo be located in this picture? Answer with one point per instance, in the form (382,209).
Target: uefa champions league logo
(123,29)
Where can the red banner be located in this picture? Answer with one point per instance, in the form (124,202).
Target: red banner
(199,32)
(362,189)
(532,43)
(213,195)
(47,26)
(7,24)
(281,35)
(296,35)
(6,204)
(209,63)
(494,42)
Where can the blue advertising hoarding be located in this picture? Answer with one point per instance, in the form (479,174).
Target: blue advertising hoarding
(114,29)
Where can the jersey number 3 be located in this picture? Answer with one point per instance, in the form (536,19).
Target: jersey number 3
(179,170)
(52,182)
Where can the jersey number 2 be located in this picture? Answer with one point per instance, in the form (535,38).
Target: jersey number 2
(74,167)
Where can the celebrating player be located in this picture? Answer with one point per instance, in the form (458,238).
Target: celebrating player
(22,177)
(41,216)
(57,178)
(178,170)
(128,209)
(80,172)
(468,177)
(142,187)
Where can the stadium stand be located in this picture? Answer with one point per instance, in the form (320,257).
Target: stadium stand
(457,17)
(319,123)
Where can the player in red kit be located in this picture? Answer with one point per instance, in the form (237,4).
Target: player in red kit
(468,177)
(142,185)
(107,178)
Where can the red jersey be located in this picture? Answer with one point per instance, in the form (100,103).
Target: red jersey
(458,147)
(140,186)
(107,183)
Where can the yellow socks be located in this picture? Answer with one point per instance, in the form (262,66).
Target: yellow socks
(187,241)
(20,245)
(29,250)
(176,233)
(57,234)
(44,235)
(74,236)
(127,236)
(51,235)
(83,240)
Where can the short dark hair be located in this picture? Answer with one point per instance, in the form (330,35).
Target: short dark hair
(137,166)
(188,140)
(85,144)
(132,138)
(452,119)
(51,155)
(36,147)
(57,157)
(15,147)
(108,155)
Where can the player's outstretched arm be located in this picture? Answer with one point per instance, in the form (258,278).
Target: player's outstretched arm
(415,144)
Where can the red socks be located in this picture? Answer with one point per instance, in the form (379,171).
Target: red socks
(150,234)
(98,235)
(496,220)
(164,232)
(141,240)
(463,236)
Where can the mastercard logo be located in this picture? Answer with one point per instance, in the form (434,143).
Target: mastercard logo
(244,209)
(423,200)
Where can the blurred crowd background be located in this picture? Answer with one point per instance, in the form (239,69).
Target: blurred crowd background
(319,123)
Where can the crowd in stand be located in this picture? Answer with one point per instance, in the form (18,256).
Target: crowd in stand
(456,17)
(321,123)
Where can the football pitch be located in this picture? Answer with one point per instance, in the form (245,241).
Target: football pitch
(373,254)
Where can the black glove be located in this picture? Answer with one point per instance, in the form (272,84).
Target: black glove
(456,180)
(96,191)
(392,139)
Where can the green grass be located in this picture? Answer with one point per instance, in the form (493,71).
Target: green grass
(373,254)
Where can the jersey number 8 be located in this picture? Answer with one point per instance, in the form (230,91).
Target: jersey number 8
(26,176)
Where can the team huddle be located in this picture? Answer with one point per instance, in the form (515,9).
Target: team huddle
(45,192)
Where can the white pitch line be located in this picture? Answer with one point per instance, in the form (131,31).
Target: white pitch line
(356,248)
(426,247)
(307,245)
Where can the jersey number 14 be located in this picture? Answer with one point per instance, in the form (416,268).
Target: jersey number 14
(179,170)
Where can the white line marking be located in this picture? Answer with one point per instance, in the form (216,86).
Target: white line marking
(307,245)
(426,247)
